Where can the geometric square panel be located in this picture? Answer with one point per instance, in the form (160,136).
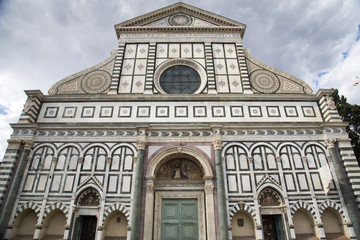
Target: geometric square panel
(200,111)
(236,111)
(308,111)
(125,111)
(162,111)
(218,111)
(143,111)
(181,111)
(88,112)
(273,111)
(291,111)
(106,112)
(51,112)
(255,112)
(69,112)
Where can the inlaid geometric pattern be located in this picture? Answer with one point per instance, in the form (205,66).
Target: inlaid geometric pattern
(273,111)
(255,111)
(125,111)
(291,111)
(106,111)
(69,112)
(132,78)
(308,111)
(51,112)
(88,112)
(200,111)
(162,111)
(226,67)
(143,112)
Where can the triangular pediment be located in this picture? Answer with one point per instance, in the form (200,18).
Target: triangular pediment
(180,16)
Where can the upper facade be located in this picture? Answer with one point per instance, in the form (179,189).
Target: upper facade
(180,49)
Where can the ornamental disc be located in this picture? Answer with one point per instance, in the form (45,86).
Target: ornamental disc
(180,19)
(264,81)
(96,82)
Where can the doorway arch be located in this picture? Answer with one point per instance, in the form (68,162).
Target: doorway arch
(175,185)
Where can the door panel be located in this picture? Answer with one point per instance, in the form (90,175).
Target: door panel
(179,219)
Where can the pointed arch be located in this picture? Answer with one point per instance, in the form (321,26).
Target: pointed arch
(305,205)
(117,206)
(28,205)
(58,205)
(242,206)
(331,204)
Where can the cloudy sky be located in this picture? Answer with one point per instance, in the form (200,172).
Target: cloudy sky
(43,41)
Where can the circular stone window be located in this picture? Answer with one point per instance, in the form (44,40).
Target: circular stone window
(180,79)
(180,76)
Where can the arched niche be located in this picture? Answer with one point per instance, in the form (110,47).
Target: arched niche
(115,226)
(304,224)
(243,226)
(24,225)
(54,225)
(333,225)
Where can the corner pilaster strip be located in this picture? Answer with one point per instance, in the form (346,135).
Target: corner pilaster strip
(244,74)
(348,195)
(9,204)
(209,64)
(117,68)
(149,78)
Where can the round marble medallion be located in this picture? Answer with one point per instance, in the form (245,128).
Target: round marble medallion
(180,19)
(96,82)
(264,81)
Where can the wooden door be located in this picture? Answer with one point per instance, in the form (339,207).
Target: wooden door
(269,227)
(88,228)
(179,220)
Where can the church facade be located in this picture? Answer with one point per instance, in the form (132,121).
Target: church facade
(180,134)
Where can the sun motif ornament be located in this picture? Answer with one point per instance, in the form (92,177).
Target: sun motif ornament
(180,19)
(264,81)
(96,82)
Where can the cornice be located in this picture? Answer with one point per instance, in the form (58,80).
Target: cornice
(177,97)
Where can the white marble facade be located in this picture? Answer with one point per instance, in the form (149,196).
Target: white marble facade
(274,131)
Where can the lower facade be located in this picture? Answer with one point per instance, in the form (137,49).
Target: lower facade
(273,190)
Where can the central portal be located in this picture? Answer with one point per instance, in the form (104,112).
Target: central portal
(179,196)
(179,220)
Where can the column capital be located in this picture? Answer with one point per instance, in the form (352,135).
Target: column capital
(304,158)
(209,188)
(330,143)
(141,143)
(108,160)
(80,160)
(149,187)
(54,158)
(250,159)
(278,159)
(28,144)
(217,142)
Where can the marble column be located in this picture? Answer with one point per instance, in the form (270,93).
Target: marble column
(9,204)
(136,206)
(345,187)
(222,211)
